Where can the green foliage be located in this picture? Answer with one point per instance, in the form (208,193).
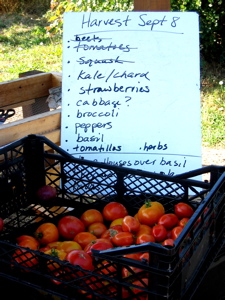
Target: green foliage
(24,6)
(212,24)
(55,15)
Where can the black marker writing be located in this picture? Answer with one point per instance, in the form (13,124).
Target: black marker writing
(108,22)
(90,62)
(115,88)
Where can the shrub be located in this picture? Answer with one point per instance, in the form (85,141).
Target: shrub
(24,6)
(212,23)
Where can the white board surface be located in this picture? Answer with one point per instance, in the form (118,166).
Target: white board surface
(131,89)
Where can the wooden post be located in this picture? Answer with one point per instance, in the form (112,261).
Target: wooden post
(152,5)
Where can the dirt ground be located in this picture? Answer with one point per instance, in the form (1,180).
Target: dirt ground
(213,156)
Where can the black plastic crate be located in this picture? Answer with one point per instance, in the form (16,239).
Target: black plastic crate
(172,273)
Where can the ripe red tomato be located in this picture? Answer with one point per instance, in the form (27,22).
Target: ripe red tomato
(99,244)
(47,233)
(91,216)
(159,232)
(128,271)
(183,222)
(130,224)
(80,258)
(108,268)
(111,232)
(176,232)
(145,256)
(143,282)
(83,238)
(169,220)
(69,226)
(150,212)
(113,211)
(168,242)
(183,210)
(145,238)
(135,256)
(123,239)
(97,229)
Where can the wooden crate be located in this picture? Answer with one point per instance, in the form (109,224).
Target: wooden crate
(24,92)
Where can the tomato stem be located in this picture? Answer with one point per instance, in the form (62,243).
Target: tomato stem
(54,252)
(148,203)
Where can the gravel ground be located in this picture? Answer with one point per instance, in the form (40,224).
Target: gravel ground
(213,156)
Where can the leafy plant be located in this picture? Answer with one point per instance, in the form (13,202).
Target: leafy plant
(55,15)
(212,23)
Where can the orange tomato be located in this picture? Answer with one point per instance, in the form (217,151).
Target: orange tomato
(47,233)
(130,224)
(143,229)
(118,221)
(55,244)
(68,246)
(60,254)
(91,216)
(84,238)
(31,244)
(26,240)
(97,229)
(145,238)
(150,212)
(123,239)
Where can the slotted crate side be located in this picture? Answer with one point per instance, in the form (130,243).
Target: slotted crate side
(82,184)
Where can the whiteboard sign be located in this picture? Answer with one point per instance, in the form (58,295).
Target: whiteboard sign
(131,89)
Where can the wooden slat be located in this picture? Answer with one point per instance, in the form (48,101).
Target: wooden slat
(23,103)
(56,79)
(152,5)
(47,124)
(15,91)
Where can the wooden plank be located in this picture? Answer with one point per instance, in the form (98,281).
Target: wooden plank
(56,79)
(40,105)
(54,136)
(152,5)
(45,124)
(27,88)
(23,103)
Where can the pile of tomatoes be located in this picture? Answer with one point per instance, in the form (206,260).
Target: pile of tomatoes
(73,238)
